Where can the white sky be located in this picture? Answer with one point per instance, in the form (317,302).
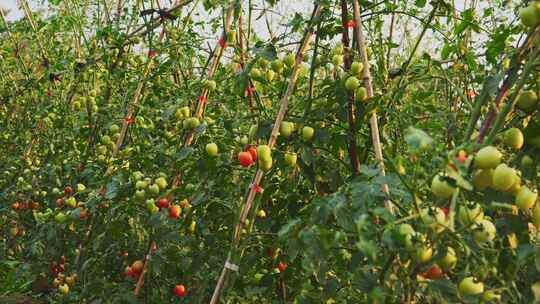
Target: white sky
(408,27)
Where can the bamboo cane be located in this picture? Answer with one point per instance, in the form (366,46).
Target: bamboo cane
(366,78)
(271,142)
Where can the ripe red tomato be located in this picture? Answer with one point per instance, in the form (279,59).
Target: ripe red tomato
(174,211)
(253,153)
(446,211)
(68,190)
(281,267)
(62,260)
(137,266)
(163,203)
(245,159)
(129,272)
(433,273)
(180,291)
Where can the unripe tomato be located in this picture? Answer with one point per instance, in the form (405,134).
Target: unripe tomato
(482,179)
(337,60)
(265,164)
(361,94)
(405,233)
(529,16)
(441,188)
(470,214)
(140,195)
(449,261)
(491,295)
(484,231)
(503,177)
(338,49)
(487,158)
(270,75)
(139,185)
(212,149)
(286,128)
(307,133)
(162,183)
(423,254)
(352,83)
(277,66)
(435,218)
(470,286)
(514,138)
(151,206)
(210,85)
(255,73)
(192,226)
(290,159)
(526,100)
(289,60)
(526,198)
(357,68)
(264,152)
(153,189)
(63,289)
(526,161)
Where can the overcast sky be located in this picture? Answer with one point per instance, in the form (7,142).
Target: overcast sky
(408,27)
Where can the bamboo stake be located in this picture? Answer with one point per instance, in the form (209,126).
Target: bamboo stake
(366,77)
(218,53)
(271,142)
(189,138)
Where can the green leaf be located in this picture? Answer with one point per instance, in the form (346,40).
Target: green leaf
(286,230)
(420,3)
(112,190)
(368,248)
(417,139)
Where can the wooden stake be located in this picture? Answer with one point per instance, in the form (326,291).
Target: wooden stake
(366,78)
(271,142)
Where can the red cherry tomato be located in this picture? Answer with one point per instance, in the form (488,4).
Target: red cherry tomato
(433,273)
(245,159)
(281,267)
(68,190)
(174,211)
(253,153)
(163,203)
(179,291)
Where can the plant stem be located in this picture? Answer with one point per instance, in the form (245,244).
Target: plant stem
(351,111)
(513,98)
